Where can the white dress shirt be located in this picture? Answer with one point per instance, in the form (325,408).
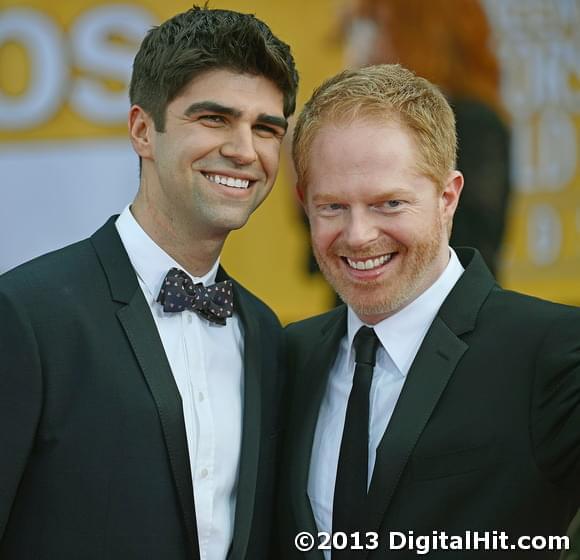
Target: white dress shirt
(401,336)
(207,364)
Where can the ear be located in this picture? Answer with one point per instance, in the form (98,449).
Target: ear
(450,195)
(141,129)
(301,195)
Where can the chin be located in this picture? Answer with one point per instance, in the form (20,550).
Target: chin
(231,223)
(379,299)
(372,307)
(235,225)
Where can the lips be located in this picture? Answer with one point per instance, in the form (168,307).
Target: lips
(368,263)
(229,181)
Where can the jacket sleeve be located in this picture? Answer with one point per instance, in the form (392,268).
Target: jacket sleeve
(20,400)
(555,409)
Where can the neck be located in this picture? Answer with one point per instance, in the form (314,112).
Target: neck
(195,252)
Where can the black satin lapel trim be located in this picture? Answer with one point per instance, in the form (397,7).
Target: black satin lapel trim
(251,425)
(316,371)
(461,307)
(143,337)
(426,381)
(115,261)
(141,331)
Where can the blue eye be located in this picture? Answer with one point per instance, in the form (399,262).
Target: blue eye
(389,205)
(331,209)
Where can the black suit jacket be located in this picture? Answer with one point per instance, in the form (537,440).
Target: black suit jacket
(93,450)
(485,435)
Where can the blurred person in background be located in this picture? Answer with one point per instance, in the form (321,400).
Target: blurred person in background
(448,42)
(139,384)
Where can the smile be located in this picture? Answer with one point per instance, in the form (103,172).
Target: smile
(369,264)
(235,182)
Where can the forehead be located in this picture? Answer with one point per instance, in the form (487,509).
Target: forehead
(244,92)
(362,147)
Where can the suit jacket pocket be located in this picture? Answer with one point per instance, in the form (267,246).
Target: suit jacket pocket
(451,463)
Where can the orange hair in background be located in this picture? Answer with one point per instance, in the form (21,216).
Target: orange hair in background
(445,41)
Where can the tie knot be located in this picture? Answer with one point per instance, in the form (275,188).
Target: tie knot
(365,345)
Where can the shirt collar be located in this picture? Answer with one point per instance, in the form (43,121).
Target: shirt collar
(401,334)
(151,262)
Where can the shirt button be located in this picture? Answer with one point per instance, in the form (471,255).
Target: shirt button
(201,396)
(189,318)
(204,473)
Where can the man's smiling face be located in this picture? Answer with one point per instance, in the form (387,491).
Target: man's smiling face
(379,228)
(217,159)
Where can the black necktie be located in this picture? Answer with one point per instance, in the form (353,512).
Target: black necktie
(214,303)
(350,492)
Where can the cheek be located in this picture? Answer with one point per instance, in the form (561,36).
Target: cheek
(324,233)
(196,146)
(269,153)
(411,229)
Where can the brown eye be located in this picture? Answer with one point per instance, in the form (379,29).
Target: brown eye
(212,119)
(266,131)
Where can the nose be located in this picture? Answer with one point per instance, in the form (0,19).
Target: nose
(239,146)
(359,229)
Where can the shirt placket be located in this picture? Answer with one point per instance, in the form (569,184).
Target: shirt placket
(204,438)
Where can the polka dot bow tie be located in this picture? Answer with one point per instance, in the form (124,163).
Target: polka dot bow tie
(214,303)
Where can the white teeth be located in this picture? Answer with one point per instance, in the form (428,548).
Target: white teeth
(369,264)
(228,181)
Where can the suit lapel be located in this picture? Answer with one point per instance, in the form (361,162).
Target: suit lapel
(313,379)
(426,381)
(251,423)
(142,334)
(137,321)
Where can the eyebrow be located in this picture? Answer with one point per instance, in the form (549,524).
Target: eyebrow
(324,198)
(213,107)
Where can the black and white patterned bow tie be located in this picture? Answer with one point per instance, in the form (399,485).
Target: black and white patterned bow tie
(214,303)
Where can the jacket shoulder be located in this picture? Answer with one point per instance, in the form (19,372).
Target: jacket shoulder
(312,326)
(265,313)
(526,308)
(50,269)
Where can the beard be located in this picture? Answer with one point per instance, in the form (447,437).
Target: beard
(385,296)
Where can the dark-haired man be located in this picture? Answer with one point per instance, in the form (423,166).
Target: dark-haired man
(435,413)
(136,378)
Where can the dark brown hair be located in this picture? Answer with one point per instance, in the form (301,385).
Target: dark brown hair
(202,39)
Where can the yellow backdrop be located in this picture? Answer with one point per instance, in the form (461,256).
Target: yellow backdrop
(269,255)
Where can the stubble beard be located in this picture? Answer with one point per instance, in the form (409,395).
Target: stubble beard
(384,297)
